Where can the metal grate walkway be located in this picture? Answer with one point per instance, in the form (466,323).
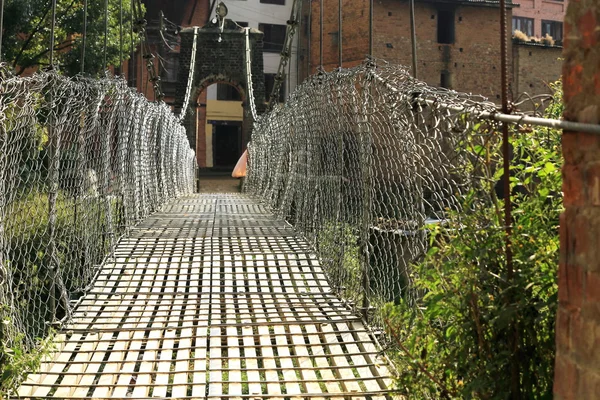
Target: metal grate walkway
(212,298)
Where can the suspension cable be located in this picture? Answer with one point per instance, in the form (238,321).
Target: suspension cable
(162,29)
(1,25)
(309,42)
(104,65)
(53,27)
(140,28)
(371,27)
(286,52)
(249,76)
(132,57)
(212,7)
(188,89)
(340,36)
(148,56)
(84,35)
(413,38)
(299,45)
(321,33)
(121,36)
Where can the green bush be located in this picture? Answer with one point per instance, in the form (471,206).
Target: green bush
(80,244)
(79,241)
(16,361)
(474,325)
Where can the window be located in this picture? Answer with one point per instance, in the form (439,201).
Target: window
(523,24)
(270,82)
(227,93)
(552,28)
(274,37)
(278,2)
(445,26)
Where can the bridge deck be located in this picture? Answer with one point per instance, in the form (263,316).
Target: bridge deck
(212,298)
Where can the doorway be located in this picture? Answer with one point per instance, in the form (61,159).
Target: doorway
(227,144)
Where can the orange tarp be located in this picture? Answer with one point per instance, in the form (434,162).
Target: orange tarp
(240,168)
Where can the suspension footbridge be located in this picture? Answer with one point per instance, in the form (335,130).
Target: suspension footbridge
(212,297)
(154,291)
(157,292)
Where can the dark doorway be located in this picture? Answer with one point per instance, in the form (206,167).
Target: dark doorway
(227,144)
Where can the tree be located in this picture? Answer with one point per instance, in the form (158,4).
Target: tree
(27,28)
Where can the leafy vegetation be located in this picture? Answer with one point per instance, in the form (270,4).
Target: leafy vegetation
(27,34)
(35,286)
(16,361)
(475,324)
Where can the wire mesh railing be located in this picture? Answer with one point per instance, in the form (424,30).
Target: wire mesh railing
(81,161)
(361,161)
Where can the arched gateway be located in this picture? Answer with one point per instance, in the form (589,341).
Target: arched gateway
(220,58)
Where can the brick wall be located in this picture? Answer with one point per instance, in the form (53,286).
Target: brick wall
(577,370)
(534,67)
(196,13)
(473,61)
(355,34)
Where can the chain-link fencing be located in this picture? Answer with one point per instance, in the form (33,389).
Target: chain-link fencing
(81,161)
(361,161)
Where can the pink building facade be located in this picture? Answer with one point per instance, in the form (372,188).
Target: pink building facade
(540,17)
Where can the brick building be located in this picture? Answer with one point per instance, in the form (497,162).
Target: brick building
(458,46)
(534,67)
(458,43)
(538,18)
(535,62)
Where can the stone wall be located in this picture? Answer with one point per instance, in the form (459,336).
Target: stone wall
(218,61)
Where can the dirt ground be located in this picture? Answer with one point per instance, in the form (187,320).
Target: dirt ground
(219,184)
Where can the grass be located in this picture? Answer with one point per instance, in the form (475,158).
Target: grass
(39,278)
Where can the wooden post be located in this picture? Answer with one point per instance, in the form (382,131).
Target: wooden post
(367,181)
(53,175)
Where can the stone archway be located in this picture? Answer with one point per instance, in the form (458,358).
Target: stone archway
(220,58)
(206,129)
